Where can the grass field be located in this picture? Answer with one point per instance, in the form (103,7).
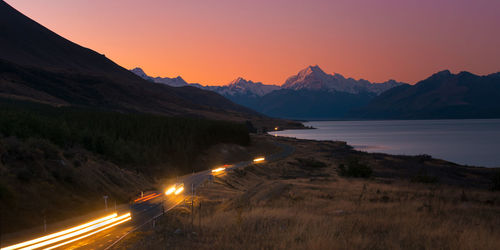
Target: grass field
(306,204)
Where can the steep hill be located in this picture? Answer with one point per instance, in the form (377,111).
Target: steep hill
(39,65)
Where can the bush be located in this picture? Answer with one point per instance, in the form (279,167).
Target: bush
(50,151)
(4,192)
(423,158)
(310,163)
(355,169)
(24,175)
(496,181)
(423,177)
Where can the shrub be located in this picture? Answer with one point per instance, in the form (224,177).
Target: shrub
(355,169)
(310,163)
(423,158)
(423,177)
(496,181)
(24,175)
(4,192)
(49,150)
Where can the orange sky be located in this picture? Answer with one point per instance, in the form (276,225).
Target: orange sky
(213,42)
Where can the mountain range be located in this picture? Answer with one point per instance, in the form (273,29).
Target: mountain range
(38,65)
(314,78)
(310,94)
(442,95)
(173,82)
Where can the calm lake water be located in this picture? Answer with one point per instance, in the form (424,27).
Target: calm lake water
(471,142)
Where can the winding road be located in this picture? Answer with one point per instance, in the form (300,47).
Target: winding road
(143,213)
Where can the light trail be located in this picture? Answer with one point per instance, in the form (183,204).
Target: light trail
(90,234)
(150,198)
(218,170)
(79,232)
(50,236)
(170,190)
(260,159)
(144,197)
(179,190)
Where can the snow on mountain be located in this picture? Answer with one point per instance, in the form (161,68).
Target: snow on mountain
(310,78)
(240,86)
(314,78)
(138,71)
(174,82)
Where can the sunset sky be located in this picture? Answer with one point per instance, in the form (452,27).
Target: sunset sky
(213,42)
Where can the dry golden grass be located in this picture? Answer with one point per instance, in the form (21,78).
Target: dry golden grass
(340,215)
(286,206)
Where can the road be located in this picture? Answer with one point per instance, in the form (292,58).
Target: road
(153,205)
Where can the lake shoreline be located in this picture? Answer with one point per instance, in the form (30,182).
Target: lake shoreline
(468,142)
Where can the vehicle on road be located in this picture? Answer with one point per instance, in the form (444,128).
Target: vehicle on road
(218,170)
(259,160)
(175,189)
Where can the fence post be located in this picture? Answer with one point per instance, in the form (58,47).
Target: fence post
(199,216)
(192,205)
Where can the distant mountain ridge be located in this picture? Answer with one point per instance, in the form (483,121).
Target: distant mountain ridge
(314,78)
(310,94)
(314,94)
(239,86)
(174,82)
(310,78)
(442,95)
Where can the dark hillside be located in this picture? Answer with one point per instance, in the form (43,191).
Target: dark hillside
(39,65)
(59,161)
(139,141)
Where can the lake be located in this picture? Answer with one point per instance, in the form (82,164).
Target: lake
(470,142)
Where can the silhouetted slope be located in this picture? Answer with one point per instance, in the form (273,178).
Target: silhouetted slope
(311,104)
(443,95)
(39,65)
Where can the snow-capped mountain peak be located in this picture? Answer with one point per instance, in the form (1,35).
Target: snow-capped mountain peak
(314,78)
(243,86)
(239,80)
(174,82)
(309,78)
(138,71)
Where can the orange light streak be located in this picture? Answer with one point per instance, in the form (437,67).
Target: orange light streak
(218,170)
(260,159)
(150,198)
(179,190)
(50,236)
(144,197)
(79,232)
(170,190)
(89,234)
